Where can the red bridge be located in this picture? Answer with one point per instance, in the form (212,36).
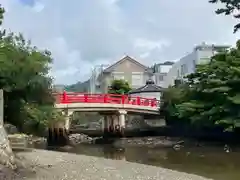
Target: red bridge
(69,98)
(114,107)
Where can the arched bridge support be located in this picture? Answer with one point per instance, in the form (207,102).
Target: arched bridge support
(113,125)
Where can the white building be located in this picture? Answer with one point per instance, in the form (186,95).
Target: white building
(93,82)
(187,65)
(160,72)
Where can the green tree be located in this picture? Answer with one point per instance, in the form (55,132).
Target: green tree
(232,7)
(27,86)
(24,79)
(1,14)
(171,97)
(78,87)
(6,155)
(214,92)
(119,87)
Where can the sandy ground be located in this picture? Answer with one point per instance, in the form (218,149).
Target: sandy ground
(46,165)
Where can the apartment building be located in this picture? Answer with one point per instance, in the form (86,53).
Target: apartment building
(187,64)
(160,71)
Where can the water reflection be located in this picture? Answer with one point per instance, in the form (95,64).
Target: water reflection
(209,162)
(114,153)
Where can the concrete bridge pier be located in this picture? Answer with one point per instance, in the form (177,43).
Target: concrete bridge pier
(122,120)
(113,125)
(67,116)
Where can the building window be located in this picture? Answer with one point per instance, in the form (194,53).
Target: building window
(184,70)
(161,78)
(178,73)
(137,79)
(158,69)
(194,63)
(118,76)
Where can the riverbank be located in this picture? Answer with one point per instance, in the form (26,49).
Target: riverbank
(44,165)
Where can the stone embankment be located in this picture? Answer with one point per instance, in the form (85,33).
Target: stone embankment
(23,141)
(45,165)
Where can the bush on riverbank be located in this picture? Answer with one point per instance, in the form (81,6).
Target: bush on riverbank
(208,98)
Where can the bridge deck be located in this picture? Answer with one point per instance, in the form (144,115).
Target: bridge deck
(106,102)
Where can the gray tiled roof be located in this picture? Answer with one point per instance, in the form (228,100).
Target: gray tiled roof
(149,87)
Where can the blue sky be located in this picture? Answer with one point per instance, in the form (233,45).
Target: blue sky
(28,2)
(85,33)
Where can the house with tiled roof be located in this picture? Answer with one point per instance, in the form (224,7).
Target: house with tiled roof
(126,68)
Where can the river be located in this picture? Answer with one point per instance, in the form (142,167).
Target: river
(211,162)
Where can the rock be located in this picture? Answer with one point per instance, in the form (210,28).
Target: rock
(6,155)
(80,138)
(177,147)
(36,140)
(10,129)
(18,141)
(24,140)
(66,148)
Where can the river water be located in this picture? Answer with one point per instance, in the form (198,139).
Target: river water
(211,162)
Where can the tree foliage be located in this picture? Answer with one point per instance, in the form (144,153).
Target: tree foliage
(211,95)
(232,7)
(78,87)
(1,14)
(28,96)
(119,86)
(171,97)
(6,155)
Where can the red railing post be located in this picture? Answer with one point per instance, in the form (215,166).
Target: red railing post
(138,100)
(64,97)
(85,98)
(105,98)
(153,102)
(123,99)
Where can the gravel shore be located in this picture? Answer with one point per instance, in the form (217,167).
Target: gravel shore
(46,165)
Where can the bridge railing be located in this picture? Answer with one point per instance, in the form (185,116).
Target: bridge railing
(66,98)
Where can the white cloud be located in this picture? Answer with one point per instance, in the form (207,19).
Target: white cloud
(38,7)
(84,33)
(150,45)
